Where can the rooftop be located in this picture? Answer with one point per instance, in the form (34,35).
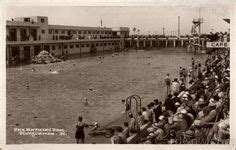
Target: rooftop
(21,23)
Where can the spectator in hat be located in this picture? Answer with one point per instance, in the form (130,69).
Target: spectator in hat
(126,106)
(175,86)
(119,137)
(177,105)
(188,137)
(140,119)
(146,114)
(170,104)
(176,96)
(215,101)
(150,111)
(157,110)
(209,114)
(191,113)
(159,135)
(180,125)
(186,117)
(199,105)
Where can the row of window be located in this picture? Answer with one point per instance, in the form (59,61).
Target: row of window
(70,32)
(83,45)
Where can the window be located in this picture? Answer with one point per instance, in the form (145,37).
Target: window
(82,45)
(62,31)
(59,47)
(102,32)
(73,32)
(47,47)
(71,46)
(77,45)
(56,31)
(42,20)
(43,31)
(79,32)
(85,32)
(109,43)
(53,47)
(26,19)
(87,45)
(96,44)
(65,46)
(49,31)
(89,32)
(105,44)
(101,44)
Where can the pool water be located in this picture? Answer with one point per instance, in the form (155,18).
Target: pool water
(52,95)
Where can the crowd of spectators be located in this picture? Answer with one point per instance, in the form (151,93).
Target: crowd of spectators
(213,37)
(79,37)
(196,108)
(197,112)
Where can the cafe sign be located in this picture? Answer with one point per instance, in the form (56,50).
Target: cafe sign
(217,44)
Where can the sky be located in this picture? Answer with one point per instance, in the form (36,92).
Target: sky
(148,19)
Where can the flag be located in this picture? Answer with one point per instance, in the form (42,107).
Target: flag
(227,20)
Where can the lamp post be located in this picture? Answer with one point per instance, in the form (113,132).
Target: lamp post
(178,26)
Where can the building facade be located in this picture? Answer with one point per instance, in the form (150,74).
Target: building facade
(27,36)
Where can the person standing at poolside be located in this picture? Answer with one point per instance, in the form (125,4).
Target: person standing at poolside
(168,83)
(193,62)
(79,134)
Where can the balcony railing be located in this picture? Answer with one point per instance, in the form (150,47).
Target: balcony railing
(60,41)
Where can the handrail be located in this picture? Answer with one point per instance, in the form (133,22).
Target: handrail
(137,100)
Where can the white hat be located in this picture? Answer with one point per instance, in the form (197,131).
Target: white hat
(151,135)
(176,118)
(183,111)
(161,117)
(150,129)
(221,94)
(211,100)
(212,104)
(148,142)
(185,95)
(197,122)
(177,104)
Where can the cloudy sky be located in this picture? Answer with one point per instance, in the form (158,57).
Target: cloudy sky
(149,19)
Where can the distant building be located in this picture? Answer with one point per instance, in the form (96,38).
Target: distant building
(27,36)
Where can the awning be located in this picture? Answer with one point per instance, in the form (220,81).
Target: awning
(227,20)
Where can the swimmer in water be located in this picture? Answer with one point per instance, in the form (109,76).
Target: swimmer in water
(85,101)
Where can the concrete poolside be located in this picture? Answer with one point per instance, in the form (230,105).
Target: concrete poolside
(56,100)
